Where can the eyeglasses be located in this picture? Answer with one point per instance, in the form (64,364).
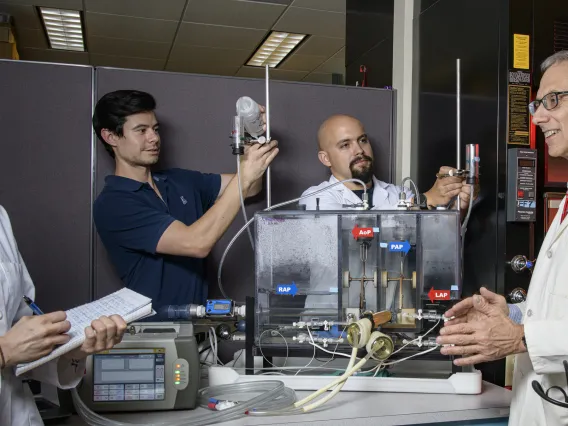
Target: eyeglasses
(544,395)
(549,101)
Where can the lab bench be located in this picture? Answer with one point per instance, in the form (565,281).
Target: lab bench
(491,407)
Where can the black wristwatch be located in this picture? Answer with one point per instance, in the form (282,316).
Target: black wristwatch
(423,202)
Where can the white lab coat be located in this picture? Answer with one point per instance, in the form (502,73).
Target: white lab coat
(545,318)
(17,405)
(385,196)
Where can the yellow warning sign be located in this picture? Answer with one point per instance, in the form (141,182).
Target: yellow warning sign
(519,118)
(521,54)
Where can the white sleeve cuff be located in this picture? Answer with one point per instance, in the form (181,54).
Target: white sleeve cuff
(547,345)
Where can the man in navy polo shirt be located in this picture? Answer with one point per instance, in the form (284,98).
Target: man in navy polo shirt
(159,227)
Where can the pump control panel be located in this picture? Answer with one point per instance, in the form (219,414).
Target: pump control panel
(521,185)
(155,367)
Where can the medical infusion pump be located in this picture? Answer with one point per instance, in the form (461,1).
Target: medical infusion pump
(155,367)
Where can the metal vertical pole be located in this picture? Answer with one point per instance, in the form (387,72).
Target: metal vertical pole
(268,177)
(458,124)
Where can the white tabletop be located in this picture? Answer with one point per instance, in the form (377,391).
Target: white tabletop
(365,408)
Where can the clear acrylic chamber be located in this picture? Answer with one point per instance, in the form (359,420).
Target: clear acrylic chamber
(330,267)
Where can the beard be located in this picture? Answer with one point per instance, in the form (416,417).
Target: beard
(363,173)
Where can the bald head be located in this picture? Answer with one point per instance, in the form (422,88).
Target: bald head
(333,127)
(345,149)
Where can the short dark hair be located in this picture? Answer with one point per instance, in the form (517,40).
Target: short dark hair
(113,109)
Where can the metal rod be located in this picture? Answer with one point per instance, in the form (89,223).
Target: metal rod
(458,123)
(362,298)
(93,182)
(268,177)
(249,333)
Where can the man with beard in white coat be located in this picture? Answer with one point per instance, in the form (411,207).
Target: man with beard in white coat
(344,147)
(25,338)
(485,328)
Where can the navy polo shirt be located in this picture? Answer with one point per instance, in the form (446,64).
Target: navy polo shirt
(130,219)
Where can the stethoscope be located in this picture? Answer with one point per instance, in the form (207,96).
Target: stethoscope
(544,395)
(535,384)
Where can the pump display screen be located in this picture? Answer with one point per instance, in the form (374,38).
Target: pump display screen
(129,375)
(221,307)
(523,162)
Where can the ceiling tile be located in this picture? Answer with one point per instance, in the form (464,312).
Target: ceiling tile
(60,4)
(23,16)
(130,48)
(219,36)
(233,13)
(367,27)
(50,55)
(330,5)
(286,75)
(253,72)
(335,64)
(26,37)
(198,67)
(126,62)
(308,21)
(298,62)
(424,6)
(316,77)
(182,54)
(284,2)
(321,46)
(130,28)
(163,9)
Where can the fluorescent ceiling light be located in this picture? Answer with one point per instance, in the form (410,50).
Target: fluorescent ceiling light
(274,49)
(64,29)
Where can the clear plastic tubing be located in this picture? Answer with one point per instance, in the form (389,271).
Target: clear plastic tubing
(273,395)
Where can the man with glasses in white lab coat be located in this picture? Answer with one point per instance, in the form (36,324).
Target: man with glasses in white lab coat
(25,338)
(485,328)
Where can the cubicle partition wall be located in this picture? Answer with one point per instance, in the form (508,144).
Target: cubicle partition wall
(45,175)
(195,113)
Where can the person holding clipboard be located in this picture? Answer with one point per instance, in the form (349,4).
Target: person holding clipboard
(26,338)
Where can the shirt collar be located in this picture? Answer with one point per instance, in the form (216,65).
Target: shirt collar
(159,177)
(380,194)
(126,184)
(376,184)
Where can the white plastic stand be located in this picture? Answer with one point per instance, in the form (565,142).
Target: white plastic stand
(458,383)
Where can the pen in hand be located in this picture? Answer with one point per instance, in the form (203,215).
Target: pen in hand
(36,310)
